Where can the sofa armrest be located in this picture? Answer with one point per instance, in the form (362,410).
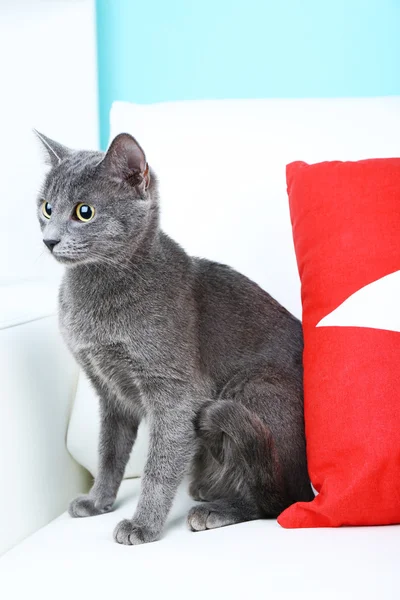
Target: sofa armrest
(39,378)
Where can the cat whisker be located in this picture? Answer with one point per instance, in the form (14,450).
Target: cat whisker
(39,256)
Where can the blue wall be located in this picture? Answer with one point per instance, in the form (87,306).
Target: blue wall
(157,50)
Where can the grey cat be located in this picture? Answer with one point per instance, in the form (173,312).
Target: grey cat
(211,361)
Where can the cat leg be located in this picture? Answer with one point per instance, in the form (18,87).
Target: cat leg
(267,400)
(117,436)
(242,473)
(218,474)
(172,444)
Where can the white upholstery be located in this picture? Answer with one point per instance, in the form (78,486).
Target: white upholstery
(78,559)
(22,301)
(38,381)
(221,166)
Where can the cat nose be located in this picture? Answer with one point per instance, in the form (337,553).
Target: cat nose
(50,244)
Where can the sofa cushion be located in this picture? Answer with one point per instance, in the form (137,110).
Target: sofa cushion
(77,558)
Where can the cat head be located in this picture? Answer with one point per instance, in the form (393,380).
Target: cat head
(95,207)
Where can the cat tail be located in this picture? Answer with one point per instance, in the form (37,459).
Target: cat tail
(236,436)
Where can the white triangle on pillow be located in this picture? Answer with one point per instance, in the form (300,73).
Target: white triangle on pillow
(377,305)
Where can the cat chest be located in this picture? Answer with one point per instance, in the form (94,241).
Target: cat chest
(114,367)
(125,350)
(133,379)
(93,323)
(147,336)
(118,355)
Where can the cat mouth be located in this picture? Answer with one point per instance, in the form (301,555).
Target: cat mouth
(68,259)
(68,254)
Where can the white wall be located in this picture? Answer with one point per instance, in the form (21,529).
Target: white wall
(48,80)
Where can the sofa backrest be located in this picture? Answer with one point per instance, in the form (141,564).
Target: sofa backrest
(221,166)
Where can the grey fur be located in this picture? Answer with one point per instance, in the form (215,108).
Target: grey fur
(206,356)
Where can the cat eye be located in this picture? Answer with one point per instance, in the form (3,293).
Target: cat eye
(84,212)
(46,209)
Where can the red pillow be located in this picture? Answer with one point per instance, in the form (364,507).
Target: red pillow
(346,228)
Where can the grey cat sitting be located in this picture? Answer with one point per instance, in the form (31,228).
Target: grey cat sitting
(211,361)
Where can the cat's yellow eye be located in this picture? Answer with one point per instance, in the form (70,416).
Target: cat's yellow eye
(46,209)
(84,212)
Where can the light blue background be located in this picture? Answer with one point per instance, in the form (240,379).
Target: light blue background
(158,50)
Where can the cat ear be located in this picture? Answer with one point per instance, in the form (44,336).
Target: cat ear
(126,160)
(55,152)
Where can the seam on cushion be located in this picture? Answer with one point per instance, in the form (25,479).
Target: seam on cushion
(25,321)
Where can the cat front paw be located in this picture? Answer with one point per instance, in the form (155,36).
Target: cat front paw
(85,506)
(130,533)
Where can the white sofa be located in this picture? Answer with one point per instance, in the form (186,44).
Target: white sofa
(222,172)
